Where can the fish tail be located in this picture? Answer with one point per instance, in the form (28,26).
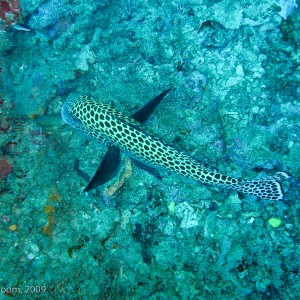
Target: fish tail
(269,188)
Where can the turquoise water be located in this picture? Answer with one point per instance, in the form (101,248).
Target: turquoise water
(234,69)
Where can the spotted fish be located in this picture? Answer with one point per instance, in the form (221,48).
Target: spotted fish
(120,132)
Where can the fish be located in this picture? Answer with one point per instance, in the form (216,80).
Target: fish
(127,134)
(21,27)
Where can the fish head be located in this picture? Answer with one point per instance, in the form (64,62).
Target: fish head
(78,114)
(68,116)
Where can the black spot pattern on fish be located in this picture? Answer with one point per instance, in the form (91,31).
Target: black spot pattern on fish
(102,122)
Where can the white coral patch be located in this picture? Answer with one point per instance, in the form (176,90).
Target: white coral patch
(188,215)
(287,7)
(85,58)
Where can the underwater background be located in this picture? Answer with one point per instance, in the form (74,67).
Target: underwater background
(234,71)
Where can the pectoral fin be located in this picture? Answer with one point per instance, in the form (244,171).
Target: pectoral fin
(110,164)
(143,114)
(107,170)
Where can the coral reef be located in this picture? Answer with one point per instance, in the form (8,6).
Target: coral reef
(5,168)
(234,69)
(10,12)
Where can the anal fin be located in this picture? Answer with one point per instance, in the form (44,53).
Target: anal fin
(146,168)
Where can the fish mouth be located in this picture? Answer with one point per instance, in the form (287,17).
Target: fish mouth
(67,116)
(65,112)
